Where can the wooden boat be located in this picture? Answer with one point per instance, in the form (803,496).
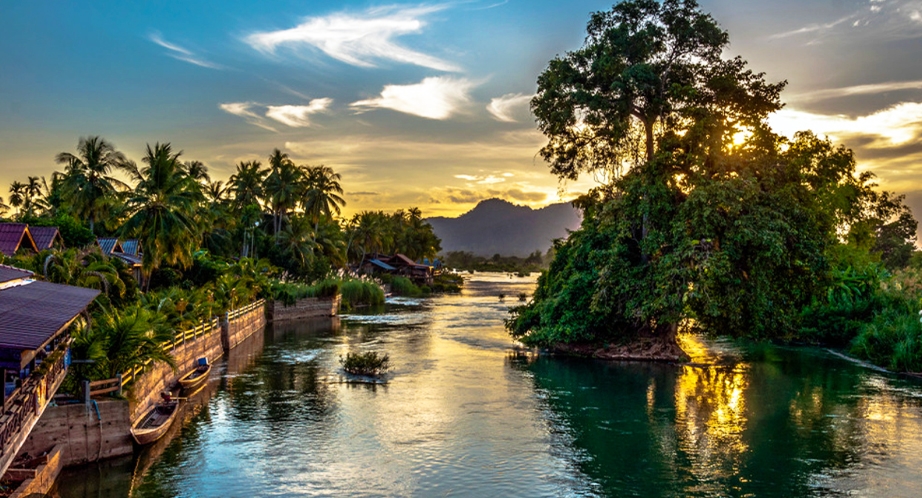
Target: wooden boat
(154,424)
(196,377)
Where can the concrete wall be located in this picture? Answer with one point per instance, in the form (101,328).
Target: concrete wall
(40,483)
(238,329)
(310,307)
(145,391)
(83,436)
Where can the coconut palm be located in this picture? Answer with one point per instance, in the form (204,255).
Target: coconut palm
(86,182)
(282,188)
(322,194)
(4,207)
(88,268)
(246,185)
(162,210)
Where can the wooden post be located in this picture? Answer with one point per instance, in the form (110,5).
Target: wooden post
(119,377)
(86,392)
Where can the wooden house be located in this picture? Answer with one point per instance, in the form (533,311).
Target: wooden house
(47,238)
(15,237)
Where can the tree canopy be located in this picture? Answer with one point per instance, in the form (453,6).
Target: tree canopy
(705,219)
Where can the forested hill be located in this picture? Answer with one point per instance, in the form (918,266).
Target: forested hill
(496,226)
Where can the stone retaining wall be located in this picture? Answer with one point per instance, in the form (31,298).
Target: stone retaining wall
(145,391)
(83,435)
(244,326)
(310,307)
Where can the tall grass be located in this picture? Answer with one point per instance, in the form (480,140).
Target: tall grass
(358,292)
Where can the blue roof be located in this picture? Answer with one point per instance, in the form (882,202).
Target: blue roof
(378,262)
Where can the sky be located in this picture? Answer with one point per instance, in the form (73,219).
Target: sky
(414,104)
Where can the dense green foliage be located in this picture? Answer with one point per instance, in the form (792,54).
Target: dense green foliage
(709,221)
(467,261)
(206,247)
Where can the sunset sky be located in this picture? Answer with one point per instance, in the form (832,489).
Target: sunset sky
(414,104)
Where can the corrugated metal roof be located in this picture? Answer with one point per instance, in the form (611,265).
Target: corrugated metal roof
(32,314)
(8,274)
(378,262)
(108,244)
(131,246)
(403,259)
(128,258)
(14,235)
(44,236)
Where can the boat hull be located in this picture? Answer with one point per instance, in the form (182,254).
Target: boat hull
(194,378)
(154,423)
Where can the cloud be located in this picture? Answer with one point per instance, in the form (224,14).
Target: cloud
(296,116)
(242,109)
(506,107)
(363,194)
(894,19)
(870,89)
(470,196)
(358,39)
(896,125)
(482,180)
(433,98)
(180,53)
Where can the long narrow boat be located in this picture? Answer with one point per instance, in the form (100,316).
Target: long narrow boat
(154,424)
(196,377)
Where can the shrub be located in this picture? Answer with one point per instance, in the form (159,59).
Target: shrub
(403,286)
(358,292)
(368,363)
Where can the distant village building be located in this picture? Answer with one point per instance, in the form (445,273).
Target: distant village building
(47,238)
(398,264)
(15,237)
(128,251)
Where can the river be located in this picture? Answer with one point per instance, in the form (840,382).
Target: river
(464,413)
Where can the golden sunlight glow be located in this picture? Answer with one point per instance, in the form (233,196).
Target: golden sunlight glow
(710,409)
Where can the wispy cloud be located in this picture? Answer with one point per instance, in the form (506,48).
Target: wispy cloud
(242,109)
(296,116)
(505,108)
(894,126)
(180,53)
(358,39)
(876,19)
(483,180)
(870,89)
(813,28)
(433,98)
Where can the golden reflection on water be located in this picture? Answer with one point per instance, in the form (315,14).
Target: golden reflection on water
(710,407)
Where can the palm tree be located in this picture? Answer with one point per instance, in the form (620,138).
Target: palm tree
(282,188)
(246,185)
(4,207)
(17,195)
(322,194)
(86,182)
(367,232)
(163,206)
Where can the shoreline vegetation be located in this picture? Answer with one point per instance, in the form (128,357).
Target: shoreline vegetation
(709,222)
(171,247)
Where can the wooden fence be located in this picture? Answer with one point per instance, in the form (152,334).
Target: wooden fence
(117,383)
(30,399)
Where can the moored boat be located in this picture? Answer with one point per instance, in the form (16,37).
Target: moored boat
(196,377)
(155,422)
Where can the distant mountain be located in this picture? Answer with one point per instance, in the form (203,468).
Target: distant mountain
(496,226)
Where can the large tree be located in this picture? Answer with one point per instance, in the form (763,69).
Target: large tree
(86,184)
(706,218)
(162,207)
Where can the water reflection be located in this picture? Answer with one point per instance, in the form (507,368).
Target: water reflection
(466,413)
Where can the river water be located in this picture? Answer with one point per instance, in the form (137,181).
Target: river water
(463,413)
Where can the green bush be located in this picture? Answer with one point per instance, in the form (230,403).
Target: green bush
(403,286)
(368,363)
(358,292)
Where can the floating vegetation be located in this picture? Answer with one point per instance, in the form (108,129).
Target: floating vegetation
(369,363)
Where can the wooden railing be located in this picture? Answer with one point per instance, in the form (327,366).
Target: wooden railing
(237,313)
(180,338)
(31,398)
